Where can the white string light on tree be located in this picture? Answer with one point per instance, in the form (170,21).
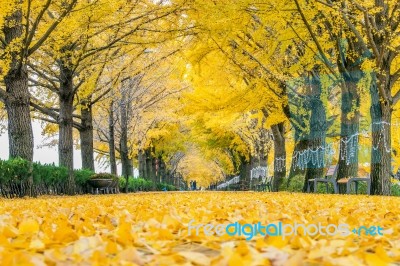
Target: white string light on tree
(322,156)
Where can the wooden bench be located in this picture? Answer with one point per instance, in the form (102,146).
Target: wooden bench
(355,180)
(330,177)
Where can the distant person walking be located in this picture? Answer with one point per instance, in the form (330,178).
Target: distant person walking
(194,185)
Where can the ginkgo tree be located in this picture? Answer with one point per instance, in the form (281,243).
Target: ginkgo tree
(25,27)
(278,41)
(139,112)
(283,76)
(257,53)
(367,36)
(79,53)
(215,116)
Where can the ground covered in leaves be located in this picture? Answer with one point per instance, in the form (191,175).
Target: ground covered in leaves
(152,229)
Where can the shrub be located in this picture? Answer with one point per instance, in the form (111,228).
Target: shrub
(295,184)
(47,178)
(141,184)
(49,173)
(162,186)
(172,188)
(52,179)
(103,176)
(122,182)
(134,184)
(395,189)
(82,176)
(14,170)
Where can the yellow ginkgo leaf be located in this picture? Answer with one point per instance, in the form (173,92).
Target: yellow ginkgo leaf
(28,226)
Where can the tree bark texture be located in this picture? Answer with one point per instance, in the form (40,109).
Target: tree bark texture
(381,114)
(17,104)
(111,141)
(318,127)
(278,132)
(65,121)
(86,136)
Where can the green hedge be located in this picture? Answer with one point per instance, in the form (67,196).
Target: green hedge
(15,170)
(47,178)
(395,189)
(52,179)
(140,184)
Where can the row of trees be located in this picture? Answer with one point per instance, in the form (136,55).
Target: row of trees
(205,90)
(61,61)
(322,71)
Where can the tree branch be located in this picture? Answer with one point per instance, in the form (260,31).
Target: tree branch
(29,35)
(36,83)
(3,42)
(370,37)
(51,29)
(42,109)
(319,47)
(46,119)
(41,74)
(120,38)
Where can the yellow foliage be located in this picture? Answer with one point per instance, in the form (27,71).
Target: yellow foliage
(204,168)
(152,229)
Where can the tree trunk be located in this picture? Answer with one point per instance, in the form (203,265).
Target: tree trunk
(127,170)
(154,161)
(278,131)
(245,172)
(295,169)
(20,134)
(86,136)
(315,166)
(111,141)
(65,144)
(255,161)
(348,154)
(145,165)
(149,163)
(169,177)
(142,163)
(300,122)
(263,151)
(316,137)
(382,101)
(154,166)
(381,114)
(162,169)
(159,174)
(350,120)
